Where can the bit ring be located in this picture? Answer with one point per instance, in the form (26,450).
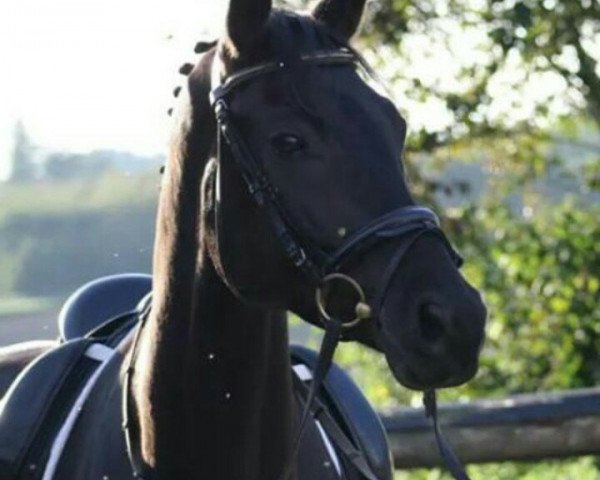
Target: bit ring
(362,308)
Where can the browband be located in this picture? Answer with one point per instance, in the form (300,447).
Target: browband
(321,57)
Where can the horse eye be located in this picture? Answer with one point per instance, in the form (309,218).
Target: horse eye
(286,143)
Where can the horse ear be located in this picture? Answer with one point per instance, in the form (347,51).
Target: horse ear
(342,16)
(246,20)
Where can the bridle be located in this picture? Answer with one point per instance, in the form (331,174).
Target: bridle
(407,224)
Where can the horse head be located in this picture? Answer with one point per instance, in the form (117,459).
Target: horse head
(324,153)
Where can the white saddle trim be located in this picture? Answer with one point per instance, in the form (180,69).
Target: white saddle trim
(330,450)
(102,354)
(303,372)
(99,352)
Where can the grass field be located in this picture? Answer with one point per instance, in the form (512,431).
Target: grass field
(104,193)
(55,236)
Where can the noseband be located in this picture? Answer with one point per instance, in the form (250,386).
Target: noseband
(406,224)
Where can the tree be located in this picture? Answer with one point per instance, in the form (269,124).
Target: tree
(22,162)
(517,42)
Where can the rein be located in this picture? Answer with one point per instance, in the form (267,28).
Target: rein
(323,268)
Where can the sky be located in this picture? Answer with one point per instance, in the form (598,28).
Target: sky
(99,74)
(84,75)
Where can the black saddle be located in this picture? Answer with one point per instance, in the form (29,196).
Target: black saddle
(51,384)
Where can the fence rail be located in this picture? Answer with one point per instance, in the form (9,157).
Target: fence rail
(521,427)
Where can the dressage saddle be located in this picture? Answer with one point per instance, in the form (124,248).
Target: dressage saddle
(96,318)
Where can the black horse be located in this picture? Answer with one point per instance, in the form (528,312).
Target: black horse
(289,171)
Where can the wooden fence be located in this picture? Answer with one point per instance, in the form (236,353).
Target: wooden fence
(522,427)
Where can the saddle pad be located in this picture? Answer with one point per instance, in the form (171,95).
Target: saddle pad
(32,409)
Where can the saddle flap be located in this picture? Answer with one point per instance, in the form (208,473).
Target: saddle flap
(25,407)
(356,416)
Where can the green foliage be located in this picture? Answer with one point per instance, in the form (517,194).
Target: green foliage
(514,41)
(584,468)
(541,281)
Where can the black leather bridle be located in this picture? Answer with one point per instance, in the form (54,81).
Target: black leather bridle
(406,223)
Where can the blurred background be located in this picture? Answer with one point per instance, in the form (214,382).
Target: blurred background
(502,99)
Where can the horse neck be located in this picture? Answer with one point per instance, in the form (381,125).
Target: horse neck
(212,385)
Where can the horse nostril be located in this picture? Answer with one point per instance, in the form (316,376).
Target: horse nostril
(431,322)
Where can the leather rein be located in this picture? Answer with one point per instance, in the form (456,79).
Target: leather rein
(323,268)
